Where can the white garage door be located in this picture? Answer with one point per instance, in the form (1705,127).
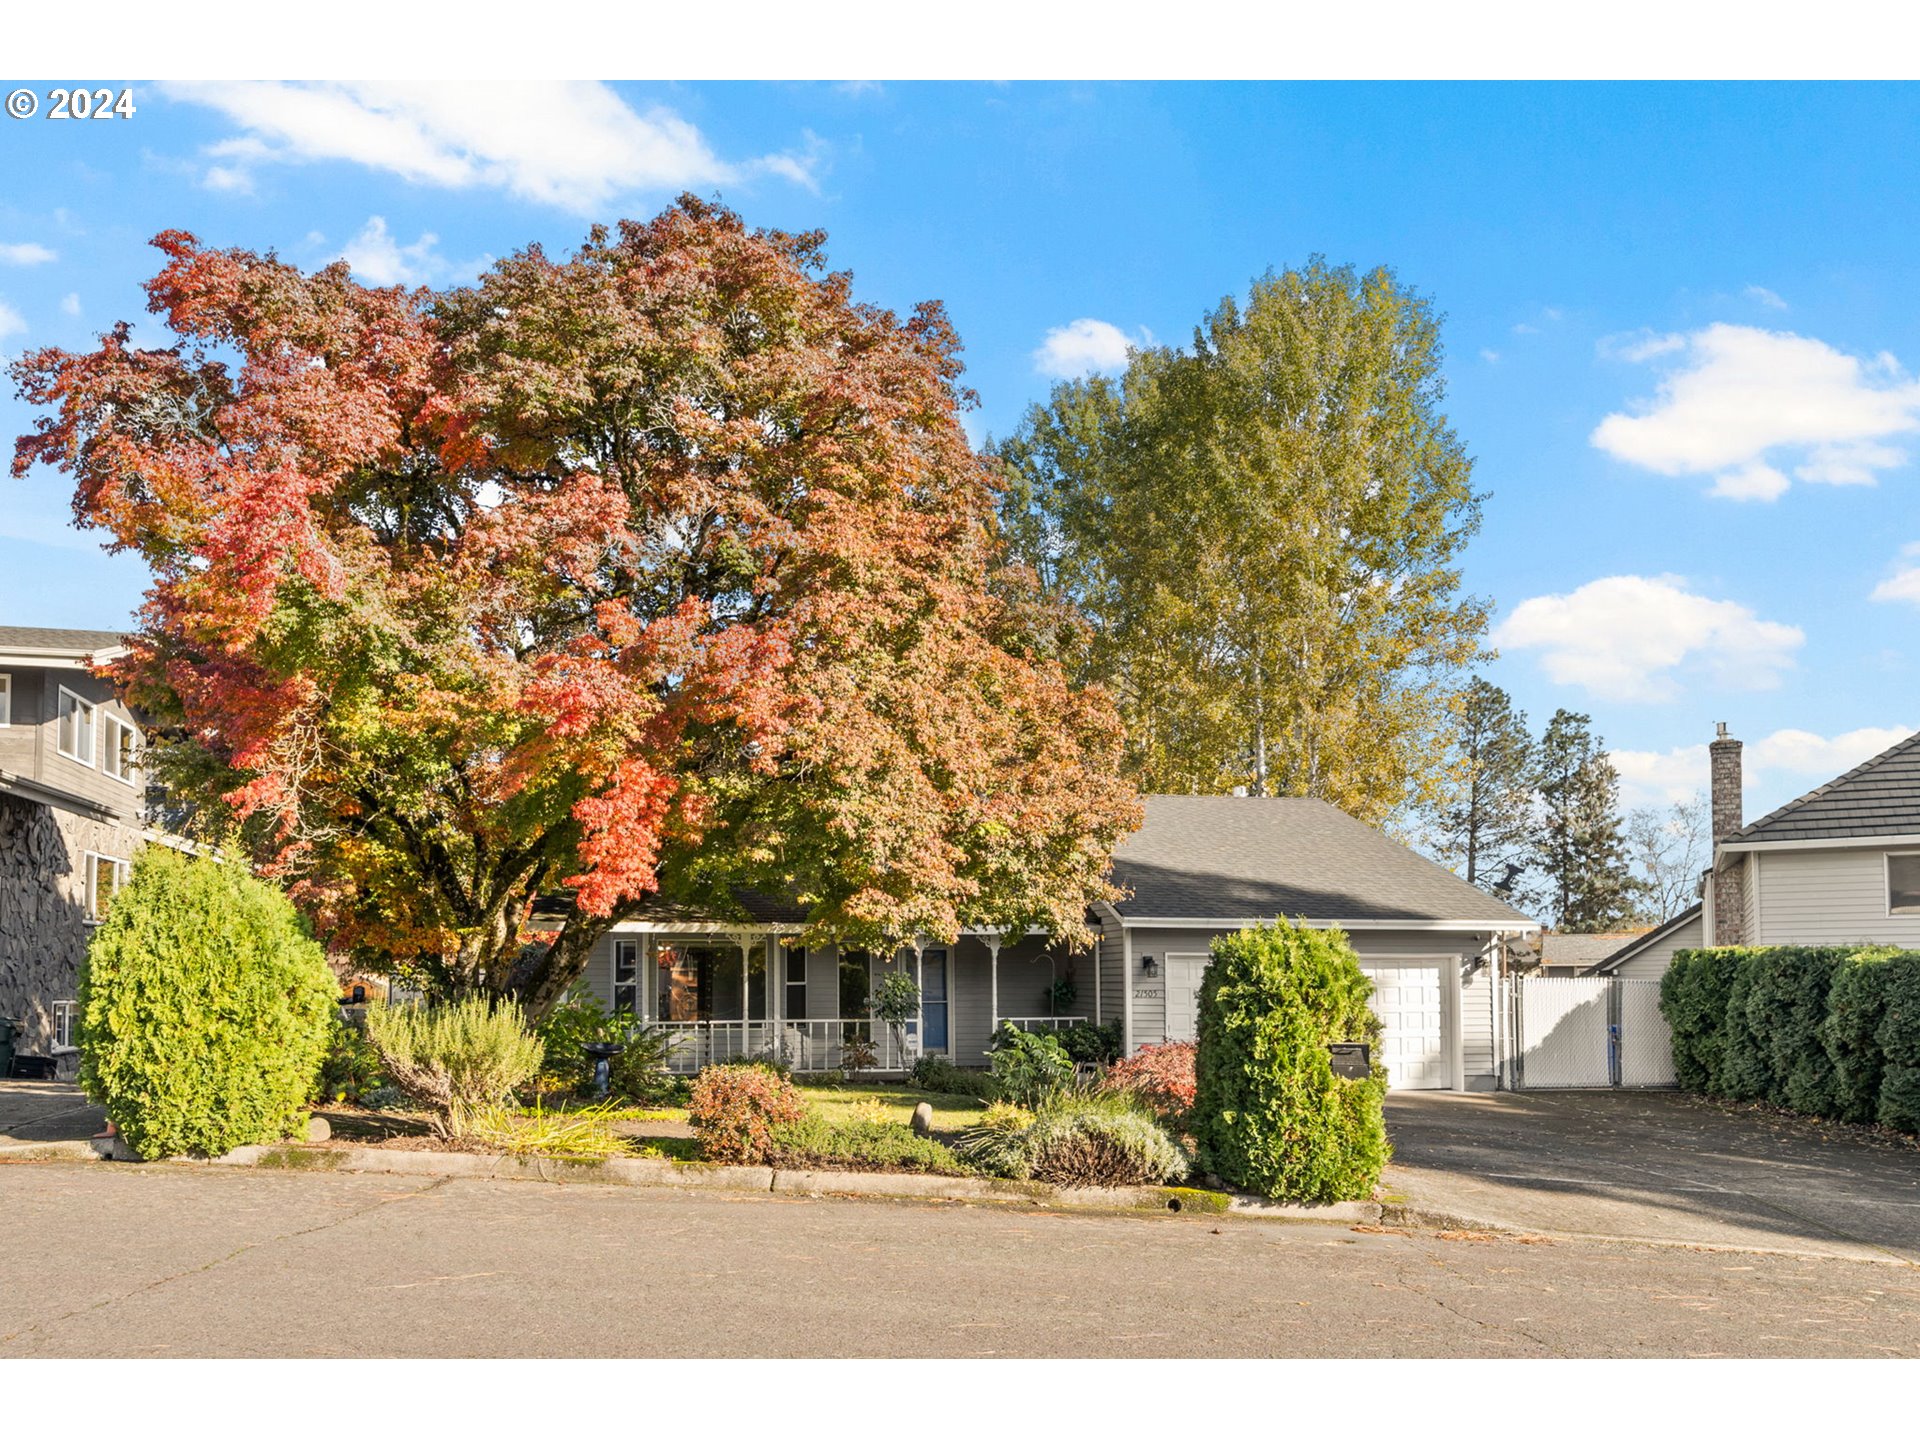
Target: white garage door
(1412,1010)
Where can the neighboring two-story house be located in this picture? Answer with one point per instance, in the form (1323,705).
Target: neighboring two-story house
(1841,864)
(72,801)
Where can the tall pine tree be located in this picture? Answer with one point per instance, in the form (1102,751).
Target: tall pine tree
(1485,828)
(1581,848)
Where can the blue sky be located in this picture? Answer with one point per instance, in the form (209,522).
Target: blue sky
(1681,339)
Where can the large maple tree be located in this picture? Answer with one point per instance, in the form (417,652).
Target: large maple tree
(664,571)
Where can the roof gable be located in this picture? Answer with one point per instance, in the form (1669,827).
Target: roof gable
(1880,796)
(1220,857)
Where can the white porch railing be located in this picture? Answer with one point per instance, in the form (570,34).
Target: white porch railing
(809,1046)
(1042,1022)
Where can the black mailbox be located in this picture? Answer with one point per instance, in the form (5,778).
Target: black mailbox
(1351,1061)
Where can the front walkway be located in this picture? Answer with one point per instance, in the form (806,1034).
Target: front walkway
(38,1110)
(1655,1165)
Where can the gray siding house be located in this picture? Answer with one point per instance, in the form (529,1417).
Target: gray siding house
(71,806)
(1838,865)
(1199,867)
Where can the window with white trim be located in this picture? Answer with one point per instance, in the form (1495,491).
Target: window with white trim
(119,749)
(64,1012)
(105,876)
(74,731)
(1903,884)
(6,698)
(626,977)
(793,1000)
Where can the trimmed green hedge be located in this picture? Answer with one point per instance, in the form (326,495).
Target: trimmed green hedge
(1269,1115)
(206,1007)
(1826,1030)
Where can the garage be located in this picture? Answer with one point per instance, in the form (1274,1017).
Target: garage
(1411,1001)
(1204,866)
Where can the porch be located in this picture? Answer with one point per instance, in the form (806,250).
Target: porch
(723,996)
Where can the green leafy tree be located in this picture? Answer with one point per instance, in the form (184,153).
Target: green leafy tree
(1263,535)
(206,1009)
(1485,827)
(1269,1115)
(1582,851)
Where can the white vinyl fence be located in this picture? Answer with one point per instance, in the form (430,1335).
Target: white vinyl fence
(1589,1032)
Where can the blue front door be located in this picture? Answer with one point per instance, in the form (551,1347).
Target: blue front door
(933,999)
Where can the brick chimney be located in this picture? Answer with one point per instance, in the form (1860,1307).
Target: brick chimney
(1729,875)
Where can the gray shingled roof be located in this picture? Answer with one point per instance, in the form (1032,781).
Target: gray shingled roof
(1252,858)
(1640,942)
(27,637)
(1561,949)
(1879,797)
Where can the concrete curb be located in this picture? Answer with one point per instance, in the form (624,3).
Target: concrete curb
(760,1179)
(49,1150)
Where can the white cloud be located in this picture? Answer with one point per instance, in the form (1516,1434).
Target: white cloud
(572,144)
(1786,759)
(11,321)
(1084,347)
(1492,357)
(377,258)
(26,253)
(1763,296)
(1637,346)
(1758,481)
(1738,395)
(71,304)
(1904,583)
(1621,638)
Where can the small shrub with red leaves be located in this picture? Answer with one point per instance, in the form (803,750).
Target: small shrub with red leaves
(1161,1075)
(734,1108)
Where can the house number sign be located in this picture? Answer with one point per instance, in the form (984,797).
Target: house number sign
(1152,994)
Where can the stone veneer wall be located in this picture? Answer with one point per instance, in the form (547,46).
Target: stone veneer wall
(43,909)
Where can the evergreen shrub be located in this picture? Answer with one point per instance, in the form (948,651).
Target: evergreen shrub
(1269,1114)
(206,1009)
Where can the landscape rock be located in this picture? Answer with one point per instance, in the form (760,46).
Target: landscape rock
(318,1129)
(923,1119)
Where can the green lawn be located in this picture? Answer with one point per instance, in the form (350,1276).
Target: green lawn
(837,1103)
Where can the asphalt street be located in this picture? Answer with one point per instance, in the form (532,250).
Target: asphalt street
(123,1260)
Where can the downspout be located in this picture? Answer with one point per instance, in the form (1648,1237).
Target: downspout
(1126,990)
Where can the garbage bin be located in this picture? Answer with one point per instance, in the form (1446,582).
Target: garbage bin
(7,1026)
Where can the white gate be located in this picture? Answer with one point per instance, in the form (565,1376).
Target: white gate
(1589,1032)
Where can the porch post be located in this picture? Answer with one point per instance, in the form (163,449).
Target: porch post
(920,997)
(745,942)
(993,983)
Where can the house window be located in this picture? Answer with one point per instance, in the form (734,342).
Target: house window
(626,977)
(6,699)
(1903,884)
(63,1013)
(75,730)
(105,876)
(705,982)
(793,1000)
(118,749)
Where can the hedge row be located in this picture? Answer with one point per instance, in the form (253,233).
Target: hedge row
(1830,1030)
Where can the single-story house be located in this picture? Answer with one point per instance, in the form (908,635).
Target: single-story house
(1199,867)
(1839,865)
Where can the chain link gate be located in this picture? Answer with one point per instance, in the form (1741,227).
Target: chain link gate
(1589,1032)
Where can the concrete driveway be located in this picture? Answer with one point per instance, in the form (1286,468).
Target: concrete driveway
(38,1110)
(1655,1165)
